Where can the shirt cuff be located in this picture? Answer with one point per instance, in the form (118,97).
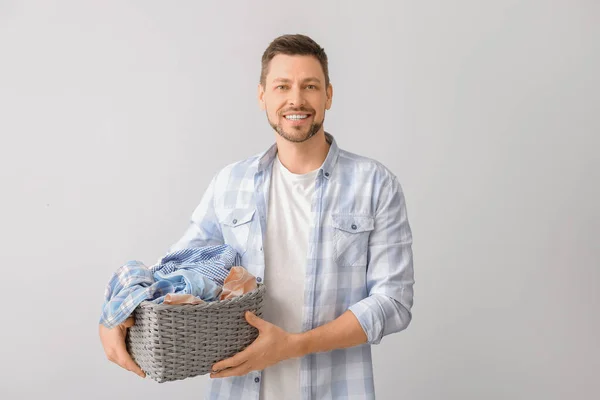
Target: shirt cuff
(380,315)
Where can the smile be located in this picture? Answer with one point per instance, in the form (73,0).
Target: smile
(296,117)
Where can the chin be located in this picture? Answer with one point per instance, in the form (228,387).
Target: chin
(295,137)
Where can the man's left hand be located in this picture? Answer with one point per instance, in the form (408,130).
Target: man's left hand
(272,345)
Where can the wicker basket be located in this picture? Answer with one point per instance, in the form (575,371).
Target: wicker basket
(173,342)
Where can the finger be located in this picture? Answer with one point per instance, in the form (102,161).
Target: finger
(125,360)
(130,365)
(234,361)
(240,370)
(128,323)
(255,321)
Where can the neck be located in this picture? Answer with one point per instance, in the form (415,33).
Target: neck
(302,158)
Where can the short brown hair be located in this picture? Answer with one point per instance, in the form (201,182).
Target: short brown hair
(293,45)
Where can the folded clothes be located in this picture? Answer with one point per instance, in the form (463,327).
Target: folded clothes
(238,282)
(199,272)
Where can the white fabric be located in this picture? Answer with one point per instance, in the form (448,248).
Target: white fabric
(285,249)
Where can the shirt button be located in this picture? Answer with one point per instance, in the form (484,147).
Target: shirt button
(326,173)
(353,226)
(235,221)
(257,379)
(259,279)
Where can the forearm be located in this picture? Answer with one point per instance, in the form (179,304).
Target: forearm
(365,322)
(380,315)
(345,331)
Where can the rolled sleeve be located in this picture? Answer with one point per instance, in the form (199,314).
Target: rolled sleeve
(379,316)
(390,275)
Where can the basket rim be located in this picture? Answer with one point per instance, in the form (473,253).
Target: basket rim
(147,304)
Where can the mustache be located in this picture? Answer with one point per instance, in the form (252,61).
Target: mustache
(301,109)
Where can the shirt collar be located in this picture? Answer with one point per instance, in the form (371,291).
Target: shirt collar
(266,160)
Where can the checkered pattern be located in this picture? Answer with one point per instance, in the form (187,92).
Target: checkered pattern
(198,271)
(214,262)
(359,259)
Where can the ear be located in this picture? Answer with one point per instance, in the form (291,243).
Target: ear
(261,97)
(329,97)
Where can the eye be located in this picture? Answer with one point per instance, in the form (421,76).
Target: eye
(280,87)
(311,87)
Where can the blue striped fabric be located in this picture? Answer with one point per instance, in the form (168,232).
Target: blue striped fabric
(359,259)
(198,271)
(213,262)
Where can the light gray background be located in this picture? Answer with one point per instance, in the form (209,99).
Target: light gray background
(115,114)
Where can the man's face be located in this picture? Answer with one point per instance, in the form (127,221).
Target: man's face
(295,96)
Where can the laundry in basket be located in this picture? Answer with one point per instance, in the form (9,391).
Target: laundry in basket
(178,341)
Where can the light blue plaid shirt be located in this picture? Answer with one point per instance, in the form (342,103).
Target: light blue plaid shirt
(359,258)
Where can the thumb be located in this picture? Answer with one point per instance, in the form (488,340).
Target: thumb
(128,323)
(255,321)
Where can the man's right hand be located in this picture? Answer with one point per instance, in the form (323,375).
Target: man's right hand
(113,341)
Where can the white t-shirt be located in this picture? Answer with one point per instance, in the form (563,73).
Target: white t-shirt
(285,248)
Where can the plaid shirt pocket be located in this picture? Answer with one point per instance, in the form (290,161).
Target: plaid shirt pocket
(236,225)
(351,238)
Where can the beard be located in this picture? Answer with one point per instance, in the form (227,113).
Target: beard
(297,134)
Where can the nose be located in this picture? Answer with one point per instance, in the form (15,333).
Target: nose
(296,97)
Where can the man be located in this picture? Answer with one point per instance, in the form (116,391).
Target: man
(326,230)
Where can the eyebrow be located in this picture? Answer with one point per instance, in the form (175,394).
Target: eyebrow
(285,80)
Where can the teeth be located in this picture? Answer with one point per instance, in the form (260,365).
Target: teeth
(296,116)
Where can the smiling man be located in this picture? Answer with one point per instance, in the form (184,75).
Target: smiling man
(325,229)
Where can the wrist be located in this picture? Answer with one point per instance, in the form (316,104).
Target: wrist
(299,345)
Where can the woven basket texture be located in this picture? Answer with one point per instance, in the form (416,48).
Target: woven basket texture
(174,342)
